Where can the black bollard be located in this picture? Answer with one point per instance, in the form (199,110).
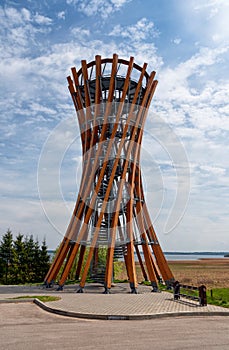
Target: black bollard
(203,295)
(176,290)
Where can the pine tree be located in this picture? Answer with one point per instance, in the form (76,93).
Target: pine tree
(36,262)
(29,256)
(22,260)
(6,256)
(44,260)
(19,260)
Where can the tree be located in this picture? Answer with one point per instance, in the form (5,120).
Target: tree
(6,255)
(19,260)
(22,260)
(44,260)
(36,262)
(29,258)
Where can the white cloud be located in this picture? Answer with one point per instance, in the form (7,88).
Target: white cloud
(103,8)
(42,20)
(213,169)
(213,5)
(18,31)
(28,218)
(209,16)
(80,33)
(61,15)
(137,32)
(177,80)
(119,3)
(177,41)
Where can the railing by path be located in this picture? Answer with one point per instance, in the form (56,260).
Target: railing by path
(190,292)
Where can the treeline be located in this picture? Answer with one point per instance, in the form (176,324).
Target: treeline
(23,259)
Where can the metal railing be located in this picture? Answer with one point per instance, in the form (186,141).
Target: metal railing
(190,292)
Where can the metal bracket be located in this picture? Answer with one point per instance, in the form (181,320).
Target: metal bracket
(106,290)
(155,287)
(133,288)
(59,288)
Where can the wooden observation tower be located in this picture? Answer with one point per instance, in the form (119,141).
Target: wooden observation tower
(111,97)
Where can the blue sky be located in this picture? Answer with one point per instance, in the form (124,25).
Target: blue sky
(186,140)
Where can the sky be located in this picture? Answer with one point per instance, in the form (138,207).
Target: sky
(185,161)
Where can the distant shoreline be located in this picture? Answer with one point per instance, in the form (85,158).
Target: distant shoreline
(52,251)
(170,256)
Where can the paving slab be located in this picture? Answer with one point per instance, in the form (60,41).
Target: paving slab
(120,305)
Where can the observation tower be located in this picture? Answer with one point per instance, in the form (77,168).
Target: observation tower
(111,97)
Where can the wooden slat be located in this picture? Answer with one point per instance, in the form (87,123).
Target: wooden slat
(147,255)
(141,263)
(62,253)
(69,265)
(47,279)
(80,261)
(98,92)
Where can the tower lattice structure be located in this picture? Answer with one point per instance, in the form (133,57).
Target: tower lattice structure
(111,97)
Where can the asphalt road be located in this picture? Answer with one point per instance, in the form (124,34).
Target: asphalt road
(24,326)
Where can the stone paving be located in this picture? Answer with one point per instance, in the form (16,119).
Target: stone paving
(118,305)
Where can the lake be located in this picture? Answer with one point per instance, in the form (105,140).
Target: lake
(180,256)
(196,256)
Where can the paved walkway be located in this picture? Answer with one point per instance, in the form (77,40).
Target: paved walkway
(119,305)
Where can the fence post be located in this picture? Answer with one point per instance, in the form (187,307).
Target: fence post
(176,290)
(202,295)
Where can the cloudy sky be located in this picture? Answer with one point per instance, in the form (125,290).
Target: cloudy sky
(185,150)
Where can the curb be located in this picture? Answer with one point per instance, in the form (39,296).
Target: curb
(125,317)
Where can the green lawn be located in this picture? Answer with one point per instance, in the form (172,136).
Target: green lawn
(44,298)
(220,297)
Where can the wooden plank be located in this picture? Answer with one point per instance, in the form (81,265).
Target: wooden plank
(59,260)
(87,100)
(160,258)
(47,279)
(132,268)
(69,265)
(141,263)
(148,261)
(109,267)
(98,92)
(80,261)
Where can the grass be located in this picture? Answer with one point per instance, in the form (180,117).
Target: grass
(218,296)
(215,296)
(44,298)
(213,273)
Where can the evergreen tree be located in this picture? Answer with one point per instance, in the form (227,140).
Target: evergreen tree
(6,256)
(29,258)
(36,262)
(22,260)
(44,260)
(19,260)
